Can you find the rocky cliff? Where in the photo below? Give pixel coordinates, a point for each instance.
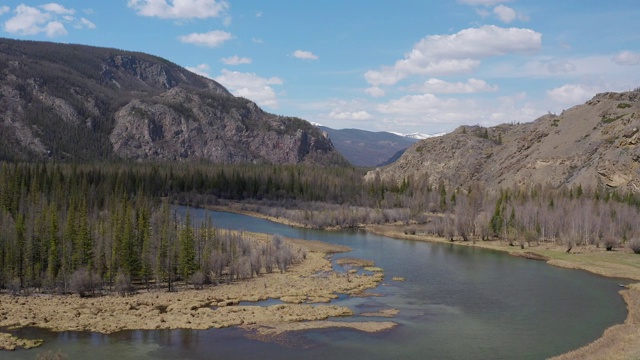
(81, 103)
(596, 144)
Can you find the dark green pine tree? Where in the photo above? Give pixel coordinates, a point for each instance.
(187, 255)
(53, 258)
(84, 241)
(144, 234)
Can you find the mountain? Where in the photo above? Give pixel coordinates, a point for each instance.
(367, 148)
(596, 144)
(418, 136)
(81, 103)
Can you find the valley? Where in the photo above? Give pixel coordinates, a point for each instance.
(105, 154)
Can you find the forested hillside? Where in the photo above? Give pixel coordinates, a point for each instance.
(78, 103)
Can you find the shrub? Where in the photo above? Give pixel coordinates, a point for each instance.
(197, 279)
(80, 282)
(610, 243)
(123, 284)
(15, 286)
(410, 231)
(84, 282)
(635, 245)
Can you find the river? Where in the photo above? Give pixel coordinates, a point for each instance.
(456, 303)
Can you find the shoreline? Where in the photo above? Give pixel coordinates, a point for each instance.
(306, 291)
(619, 341)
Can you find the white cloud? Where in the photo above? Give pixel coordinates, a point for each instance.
(348, 115)
(505, 13)
(592, 66)
(86, 24)
(202, 69)
(251, 86)
(375, 91)
(627, 58)
(236, 60)
(55, 29)
(227, 21)
(27, 21)
(425, 104)
(48, 19)
(180, 9)
(483, 2)
(258, 14)
(560, 66)
(387, 75)
(211, 39)
(57, 9)
(305, 55)
(430, 113)
(257, 41)
(437, 86)
(458, 53)
(4, 9)
(572, 94)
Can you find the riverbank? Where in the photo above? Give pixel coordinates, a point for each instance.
(617, 342)
(238, 208)
(312, 281)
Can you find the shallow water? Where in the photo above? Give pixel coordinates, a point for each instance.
(456, 303)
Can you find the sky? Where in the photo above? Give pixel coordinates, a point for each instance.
(404, 66)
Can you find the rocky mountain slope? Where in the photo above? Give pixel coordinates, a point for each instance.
(596, 144)
(82, 103)
(367, 148)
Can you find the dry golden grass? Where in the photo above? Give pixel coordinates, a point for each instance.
(10, 342)
(312, 281)
(355, 262)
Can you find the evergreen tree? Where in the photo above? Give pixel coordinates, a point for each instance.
(145, 239)
(53, 258)
(187, 256)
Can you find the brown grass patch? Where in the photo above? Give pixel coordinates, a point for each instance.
(212, 307)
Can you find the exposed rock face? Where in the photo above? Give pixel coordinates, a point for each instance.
(75, 103)
(182, 125)
(596, 145)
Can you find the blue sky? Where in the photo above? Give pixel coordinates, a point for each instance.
(404, 65)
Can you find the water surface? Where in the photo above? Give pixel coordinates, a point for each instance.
(456, 303)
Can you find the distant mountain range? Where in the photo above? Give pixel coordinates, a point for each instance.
(79, 103)
(595, 145)
(367, 148)
(418, 136)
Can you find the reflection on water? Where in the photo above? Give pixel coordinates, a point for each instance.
(456, 303)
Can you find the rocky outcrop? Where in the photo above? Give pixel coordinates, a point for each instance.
(81, 103)
(596, 144)
(180, 125)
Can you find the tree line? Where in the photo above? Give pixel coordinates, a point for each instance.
(72, 227)
(69, 229)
